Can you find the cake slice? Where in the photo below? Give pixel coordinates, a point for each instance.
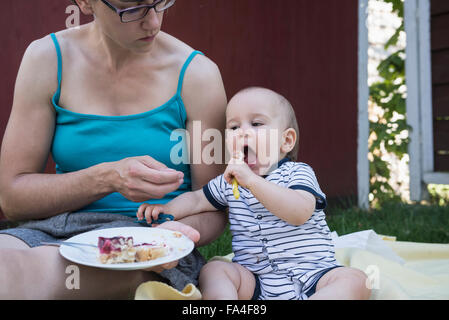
(122, 250)
(116, 250)
(150, 251)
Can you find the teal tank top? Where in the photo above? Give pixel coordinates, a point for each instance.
(84, 140)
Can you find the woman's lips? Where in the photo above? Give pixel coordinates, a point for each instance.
(147, 39)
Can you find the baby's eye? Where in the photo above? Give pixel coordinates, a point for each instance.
(234, 127)
(257, 124)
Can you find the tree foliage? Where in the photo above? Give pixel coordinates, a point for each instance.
(386, 133)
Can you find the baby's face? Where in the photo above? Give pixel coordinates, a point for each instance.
(254, 129)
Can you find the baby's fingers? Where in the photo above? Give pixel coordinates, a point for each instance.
(149, 214)
(141, 210)
(156, 211)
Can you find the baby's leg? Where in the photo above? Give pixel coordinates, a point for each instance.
(221, 280)
(342, 283)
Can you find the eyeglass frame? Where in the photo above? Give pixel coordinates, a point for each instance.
(120, 12)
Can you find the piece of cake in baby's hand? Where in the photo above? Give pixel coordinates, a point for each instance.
(122, 250)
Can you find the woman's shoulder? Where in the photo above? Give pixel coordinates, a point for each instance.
(41, 49)
(40, 60)
(200, 68)
(44, 48)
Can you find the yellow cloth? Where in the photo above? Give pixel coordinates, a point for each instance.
(420, 271)
(154, 290)
(424, 275)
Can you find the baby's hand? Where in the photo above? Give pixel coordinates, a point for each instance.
(241, 172)
(150, 211)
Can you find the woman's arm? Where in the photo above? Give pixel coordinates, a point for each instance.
(205, 99)
(28, 193)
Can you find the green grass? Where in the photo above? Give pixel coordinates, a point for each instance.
(415, 223)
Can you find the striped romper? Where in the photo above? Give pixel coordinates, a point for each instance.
(287, 260)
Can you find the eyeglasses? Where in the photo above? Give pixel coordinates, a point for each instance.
(139, 12)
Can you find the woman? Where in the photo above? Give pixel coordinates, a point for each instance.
(103, 99)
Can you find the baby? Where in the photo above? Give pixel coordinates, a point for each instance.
(281, 242)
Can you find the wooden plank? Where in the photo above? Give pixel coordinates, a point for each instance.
(441, 135)
(440, 31)
(439, 6)
(297, 49)
(440, 67)
(413, 103)
(441, 163)
(441, 101)
(425, 83)
(363, 174)
(436, 178)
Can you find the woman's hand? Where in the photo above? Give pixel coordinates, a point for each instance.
(188, 231)
(141, 178)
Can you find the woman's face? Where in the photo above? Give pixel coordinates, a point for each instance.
(137, 36)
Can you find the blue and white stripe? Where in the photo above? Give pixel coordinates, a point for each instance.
(287, 259)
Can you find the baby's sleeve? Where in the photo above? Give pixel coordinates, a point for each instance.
(302, 177)
(215, 192)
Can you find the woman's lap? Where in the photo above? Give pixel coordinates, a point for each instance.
(11, 242)
(66, 225)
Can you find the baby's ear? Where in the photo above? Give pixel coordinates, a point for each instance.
(289, 137)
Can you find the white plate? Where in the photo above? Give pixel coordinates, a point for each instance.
(179, 247)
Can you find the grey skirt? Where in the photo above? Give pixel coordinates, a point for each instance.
(66, 225)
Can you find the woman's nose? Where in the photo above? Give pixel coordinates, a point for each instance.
(151, 21)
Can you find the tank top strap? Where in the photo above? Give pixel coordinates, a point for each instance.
(58, 52)
(184, 68)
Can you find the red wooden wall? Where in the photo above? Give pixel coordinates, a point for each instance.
(440, 82)
(306, 50)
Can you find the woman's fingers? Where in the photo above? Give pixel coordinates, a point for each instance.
(152, 163)
(159, 269)
(156, 172)
(170, 265)
(160, 177)
(188, 231)
(139, 191)
(158, 191)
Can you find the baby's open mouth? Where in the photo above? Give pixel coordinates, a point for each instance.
(249, 155)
